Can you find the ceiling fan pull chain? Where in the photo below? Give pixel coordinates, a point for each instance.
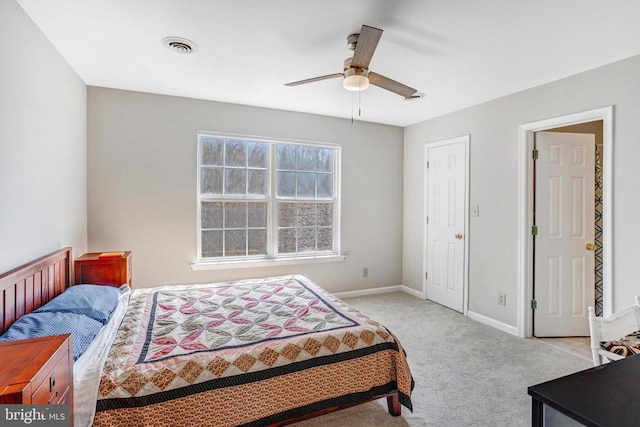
(352, 108)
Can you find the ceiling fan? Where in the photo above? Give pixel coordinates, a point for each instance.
(356, 75)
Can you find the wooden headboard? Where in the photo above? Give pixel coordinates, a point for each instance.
(27, 287)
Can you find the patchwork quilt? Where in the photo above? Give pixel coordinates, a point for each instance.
(251, 352)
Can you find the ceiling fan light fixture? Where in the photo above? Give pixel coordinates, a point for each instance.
(356, 76)
(355, 79)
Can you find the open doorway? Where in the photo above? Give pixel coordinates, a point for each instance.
(599, 124)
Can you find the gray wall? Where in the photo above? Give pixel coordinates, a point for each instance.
(43, 113)
(142, 186)
(493, 127)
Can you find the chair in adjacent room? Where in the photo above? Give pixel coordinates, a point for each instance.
(615, 337)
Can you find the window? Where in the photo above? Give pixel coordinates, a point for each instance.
(263, 199)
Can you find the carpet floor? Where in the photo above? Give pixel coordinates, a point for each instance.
(466, 373)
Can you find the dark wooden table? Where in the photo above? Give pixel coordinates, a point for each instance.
(606, 395)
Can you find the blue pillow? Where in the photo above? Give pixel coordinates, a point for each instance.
(82, 329)
(94, 301)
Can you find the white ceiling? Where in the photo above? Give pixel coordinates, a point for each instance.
(459, 53)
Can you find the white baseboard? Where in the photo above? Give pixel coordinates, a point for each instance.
(494, 323)
(376, 291)
(365, 292)
(411, 291)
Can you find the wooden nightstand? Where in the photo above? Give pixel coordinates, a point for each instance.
(103, 268)
(37, 371)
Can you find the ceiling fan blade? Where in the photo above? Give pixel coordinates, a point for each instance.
(314, 79)
(391, 85)
(366, 45)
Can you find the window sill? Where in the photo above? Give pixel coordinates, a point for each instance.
(254, 263)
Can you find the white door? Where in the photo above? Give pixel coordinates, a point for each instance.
(564, 216)
(446, 218)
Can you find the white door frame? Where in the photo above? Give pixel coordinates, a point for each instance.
(465, 287)
(525, 216)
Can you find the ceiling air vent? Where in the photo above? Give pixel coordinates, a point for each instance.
(180, 45)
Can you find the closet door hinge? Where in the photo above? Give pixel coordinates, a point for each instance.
(534, 304)
(426, 275)
(534, 154)
(534, 230)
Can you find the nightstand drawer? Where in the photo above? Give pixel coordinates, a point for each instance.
(56, 385)
(37, 371)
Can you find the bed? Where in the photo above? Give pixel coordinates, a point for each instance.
(267, 351)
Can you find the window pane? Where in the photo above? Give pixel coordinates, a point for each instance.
(286, 214)
(306, 214)
(306, 239)
(211, 152)
(306, 184)
(306, 158)
(287, 241)
(235, 215)
(257, 214)
(237, 188)
(257, 242)
(287, 156)
(325, 185)
(211, 181)
(325, 239)
(325, 160)
(235, 242)
(257, 182)
(286, 184)
(235, 153)
(211, 215)
(211, 243)
(257, 155)
(235, 181)
(325, 214)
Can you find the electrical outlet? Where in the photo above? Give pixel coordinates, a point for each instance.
(502, 298)
(365, 271)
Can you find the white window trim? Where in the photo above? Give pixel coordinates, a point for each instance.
(287, 259)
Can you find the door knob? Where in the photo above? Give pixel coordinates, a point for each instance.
(590, 247)
(458, 236)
